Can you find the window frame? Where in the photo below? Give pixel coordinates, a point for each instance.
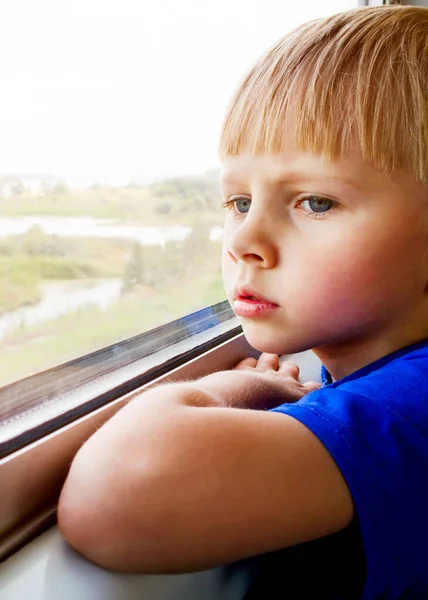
(39, 404)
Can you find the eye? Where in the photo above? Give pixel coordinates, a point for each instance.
(240, 204)
(316, 205)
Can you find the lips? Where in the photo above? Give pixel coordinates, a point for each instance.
(249, 295)
(250, 304)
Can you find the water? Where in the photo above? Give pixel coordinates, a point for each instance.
(99, 228)
(60, 298)
(63, 297)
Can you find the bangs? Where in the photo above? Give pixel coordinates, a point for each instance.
(357, 79)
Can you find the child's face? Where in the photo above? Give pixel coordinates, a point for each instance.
(346, 267)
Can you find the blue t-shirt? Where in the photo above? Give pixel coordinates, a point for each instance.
(374, 423)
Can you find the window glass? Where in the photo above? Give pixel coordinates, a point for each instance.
(110, 217)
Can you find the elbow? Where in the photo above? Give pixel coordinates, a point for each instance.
(108, 521)
(122, 503)
(79, 531)
(86, 538)
(85, 519)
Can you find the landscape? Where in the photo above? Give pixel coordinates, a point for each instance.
(83, 268)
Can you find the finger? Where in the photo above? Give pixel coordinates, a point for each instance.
(290, 369)
(268, 361)
(311, 386)
(244, 364)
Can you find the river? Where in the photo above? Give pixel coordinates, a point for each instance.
(63, 297)
(98, 228)
(59, 298)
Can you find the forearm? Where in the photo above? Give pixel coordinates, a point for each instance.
(144, 473)
(142, 458)
(153, 425)
(128, 477)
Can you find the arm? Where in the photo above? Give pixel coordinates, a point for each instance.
(181, 479)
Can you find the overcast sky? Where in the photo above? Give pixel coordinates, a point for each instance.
(121, 89)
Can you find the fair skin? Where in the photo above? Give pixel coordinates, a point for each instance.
(182, 478)
(349, 281)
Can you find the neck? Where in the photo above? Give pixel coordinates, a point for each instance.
(343, 359)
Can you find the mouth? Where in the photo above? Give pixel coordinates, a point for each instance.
(248, 298)
(249, 303)
(250, 295)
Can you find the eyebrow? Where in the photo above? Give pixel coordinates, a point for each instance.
(334, 179)
(294, 177)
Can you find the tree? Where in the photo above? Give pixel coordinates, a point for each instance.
(135, 269)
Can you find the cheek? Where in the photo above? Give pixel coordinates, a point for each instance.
(359, 283)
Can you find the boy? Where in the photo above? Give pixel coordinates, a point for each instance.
(325, 183)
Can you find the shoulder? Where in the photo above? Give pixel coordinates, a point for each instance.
(395, 385)
(366, 417)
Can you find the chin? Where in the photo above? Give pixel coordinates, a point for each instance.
(273, 342)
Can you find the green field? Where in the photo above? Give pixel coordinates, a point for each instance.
(28, 351)
(26, 261)
(159, 284)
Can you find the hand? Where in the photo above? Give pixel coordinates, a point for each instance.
(281, 380)
(256, 384)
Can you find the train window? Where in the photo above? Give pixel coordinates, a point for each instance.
(110, 218)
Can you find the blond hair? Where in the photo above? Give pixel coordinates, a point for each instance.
(358, 77)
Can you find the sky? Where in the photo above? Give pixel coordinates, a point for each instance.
(120, 90)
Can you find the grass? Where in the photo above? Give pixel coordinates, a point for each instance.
(31, 350)
(27, 261)
(22, 273)
(15, 293)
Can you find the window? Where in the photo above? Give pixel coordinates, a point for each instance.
(110, 218)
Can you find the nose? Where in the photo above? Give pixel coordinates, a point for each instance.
(252, 242)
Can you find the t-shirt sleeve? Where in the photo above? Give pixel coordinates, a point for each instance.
(384, 459)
